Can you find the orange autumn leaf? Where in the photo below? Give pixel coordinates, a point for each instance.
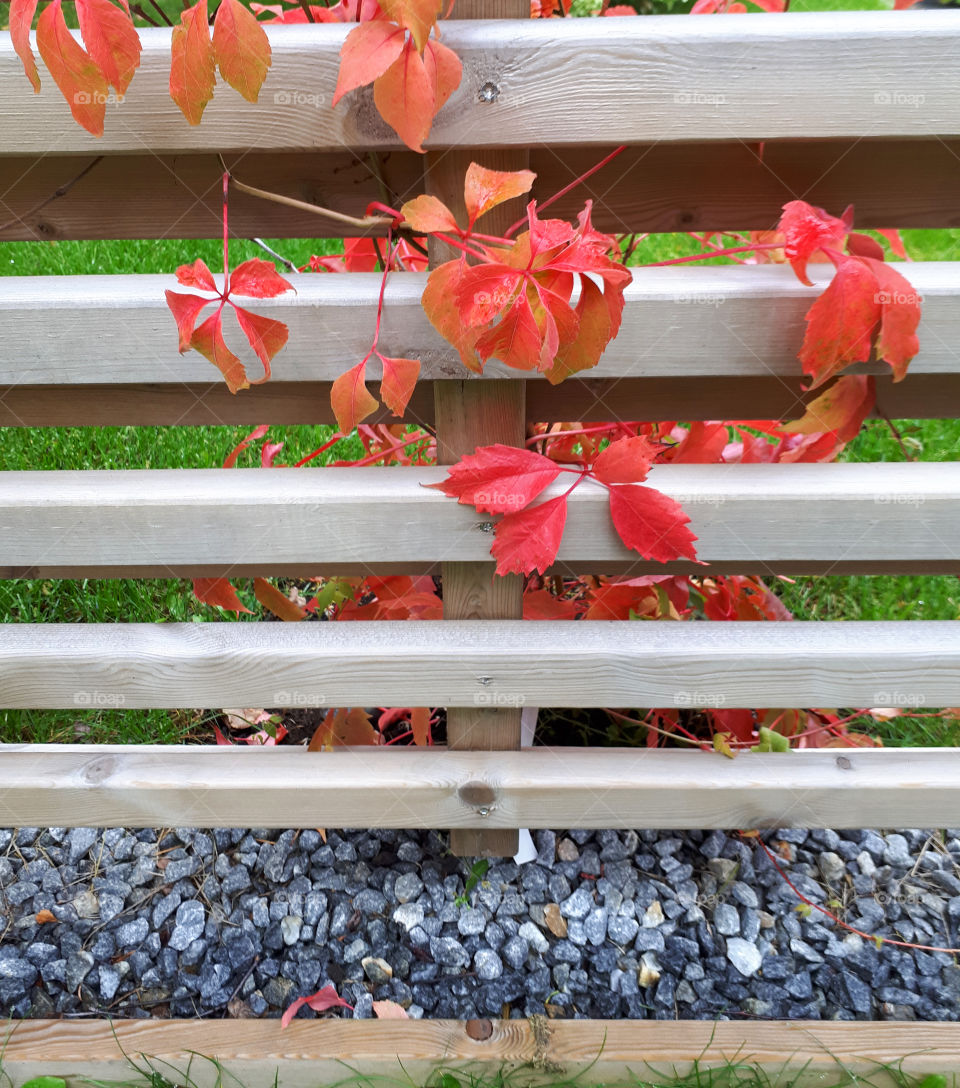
(271, 597)
(72, 68)
(242, 48)
(192, 63)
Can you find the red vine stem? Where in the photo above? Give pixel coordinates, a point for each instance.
(823, 910)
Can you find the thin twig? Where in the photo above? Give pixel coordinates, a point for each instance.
(163, 15)
(305, 4)
(138, 10)
(368, 222)
(276, 256)
(894, 430)
(55, 195)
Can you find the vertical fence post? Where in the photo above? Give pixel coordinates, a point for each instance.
(470, 414)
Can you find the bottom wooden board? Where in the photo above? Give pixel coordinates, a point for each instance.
(309, 1054)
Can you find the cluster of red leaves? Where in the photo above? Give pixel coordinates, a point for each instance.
(504, 480)
(868, 306)
(238, 47)
(515, 303)
(253, 279)
(84, 75)
(412, 73)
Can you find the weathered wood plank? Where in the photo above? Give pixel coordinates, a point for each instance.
(481, 663)
(651, 187)
(754, 518)
(701, 79)
(193, 403)
(596, 1052)
(678, 322)
(209, 786)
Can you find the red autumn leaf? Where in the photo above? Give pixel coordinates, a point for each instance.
(541, 604)
(268, 454)
(627, 461)
(258, 279)
(254, 436)
(417, 16)
(265, 335)
(897, 341)
(396, 385)
(405, 95)
(485, 189)
(368, 51)
(324, 999)
(442, 286)
(426, 214)
(896, 242)
(196, 275)
(350, 399)
(111, 40)
(219, 592)
(530, 539)
(73, 70)
(867, 301)
(271, 597)
(806, 230)
(185, 309)
(616, 601)
(444, 70)
(241, 47)
(516, 339)
(208, 340)
(651, 523)
(862, 245)
(192, 63)
(841, 408)
(20, 20)
(499, 479)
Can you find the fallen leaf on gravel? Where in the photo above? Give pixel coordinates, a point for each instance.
(556, 922)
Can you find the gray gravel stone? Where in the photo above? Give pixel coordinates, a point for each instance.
(488, 964)
(471, 921)
(408, 887)
(745, 957)
(190, 921)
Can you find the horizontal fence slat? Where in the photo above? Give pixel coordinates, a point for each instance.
(481, 663)
(603, 1052)
(651, 187)
(211, 786)
(756, 518)
(733, 321)
(837, 74)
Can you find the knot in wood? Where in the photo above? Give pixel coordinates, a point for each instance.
(479, 1029)
(477, 795)
(99, 770)
(844, 763)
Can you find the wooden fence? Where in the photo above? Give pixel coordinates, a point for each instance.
(849, 107)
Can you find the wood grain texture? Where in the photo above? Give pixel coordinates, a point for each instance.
(468, 415)
(308, 1053)
(716, 185)
(474, 663)
(210, 786)
(736, 321)
(699, 79)
(924, 396)
(752, 518)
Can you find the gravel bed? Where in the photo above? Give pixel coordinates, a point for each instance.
(695, 925)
